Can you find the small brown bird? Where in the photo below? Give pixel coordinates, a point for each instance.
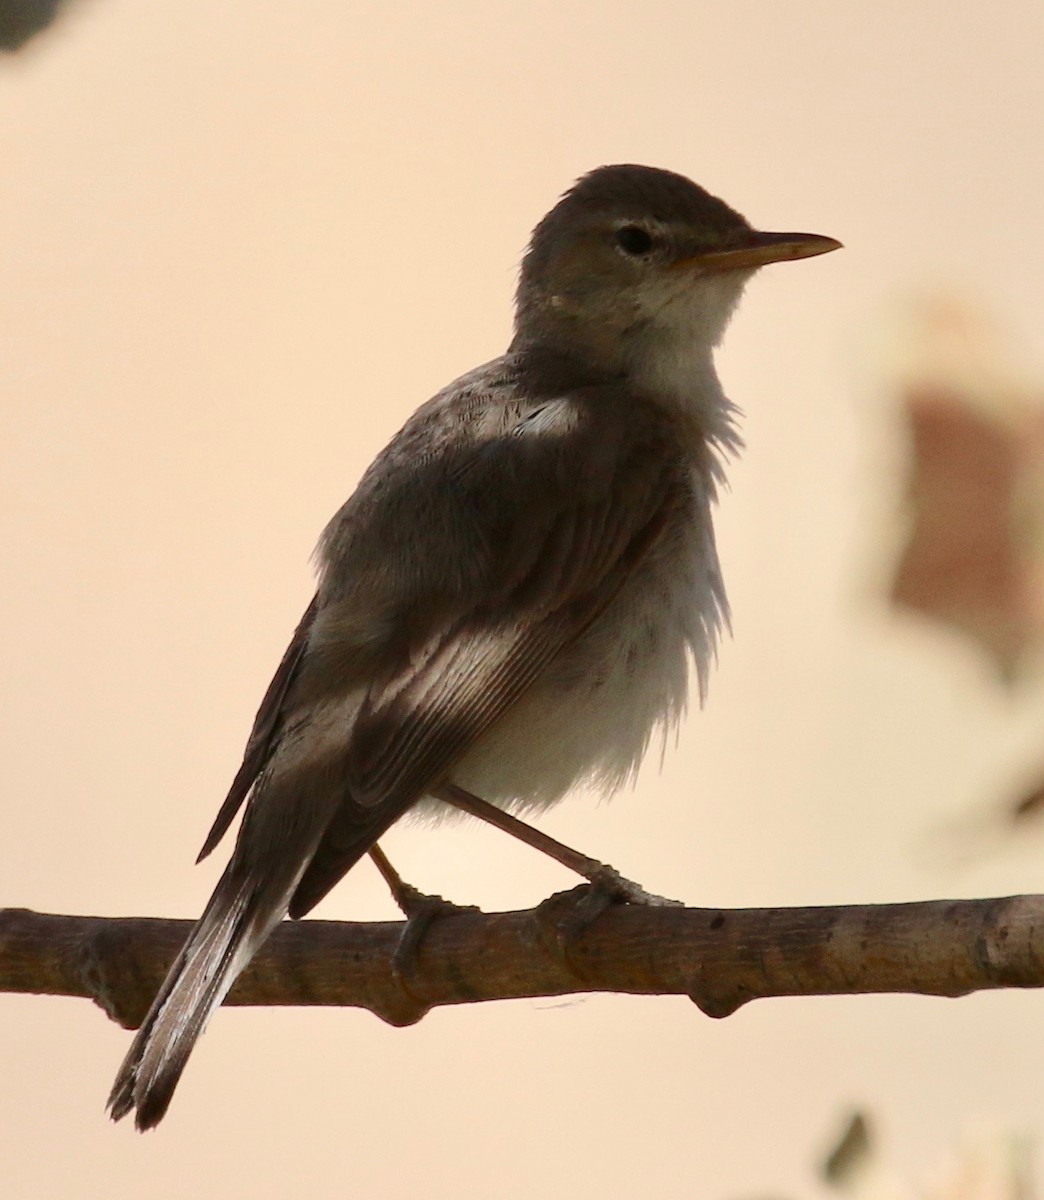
(515, 596)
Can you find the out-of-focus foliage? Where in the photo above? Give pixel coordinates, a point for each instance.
(851, 1153)
(21, 20)
(972, 555)
(974, 552)
(987, 1166)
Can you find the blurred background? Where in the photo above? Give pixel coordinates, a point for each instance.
(241, 243)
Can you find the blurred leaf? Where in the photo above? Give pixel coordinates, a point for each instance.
(991, 1165)
(850, 1154)
(21, 20)
(974, 554)
(1028, 807)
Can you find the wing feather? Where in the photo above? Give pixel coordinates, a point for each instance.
(415, 724)
(264, 732)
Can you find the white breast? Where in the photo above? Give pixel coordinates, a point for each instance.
(589, 720)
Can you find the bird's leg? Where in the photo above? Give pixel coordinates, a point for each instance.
(420, 910)
(602, 877)
(406, 896)
(564, 916)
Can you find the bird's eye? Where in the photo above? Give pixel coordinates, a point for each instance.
(634, 240)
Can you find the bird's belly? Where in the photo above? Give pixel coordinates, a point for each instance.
(589, 719)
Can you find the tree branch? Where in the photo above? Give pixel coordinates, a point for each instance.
(719, 958)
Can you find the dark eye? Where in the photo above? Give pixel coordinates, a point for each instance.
(633, 239)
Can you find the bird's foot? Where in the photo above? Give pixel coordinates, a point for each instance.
(620, 890)
(421, 911)
(564, 917)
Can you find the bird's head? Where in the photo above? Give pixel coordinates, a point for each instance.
(634, 261)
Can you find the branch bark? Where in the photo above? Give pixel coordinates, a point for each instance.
(719, 958)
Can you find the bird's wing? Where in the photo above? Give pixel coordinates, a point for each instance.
(264, 734)
(564, 508)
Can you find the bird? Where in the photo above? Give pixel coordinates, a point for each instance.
(516, 596)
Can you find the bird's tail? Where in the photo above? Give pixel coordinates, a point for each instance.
(236, 921)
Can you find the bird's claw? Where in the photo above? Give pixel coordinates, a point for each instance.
(421, 911)
(564, 917)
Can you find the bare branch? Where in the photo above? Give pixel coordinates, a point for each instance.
(719, 958)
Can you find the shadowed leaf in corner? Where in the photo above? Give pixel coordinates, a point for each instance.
(21, 20)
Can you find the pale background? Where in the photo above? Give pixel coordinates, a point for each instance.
(240, 243)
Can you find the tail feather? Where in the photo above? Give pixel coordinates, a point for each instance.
(226, 937)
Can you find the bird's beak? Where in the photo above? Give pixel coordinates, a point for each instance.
(755, 249)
